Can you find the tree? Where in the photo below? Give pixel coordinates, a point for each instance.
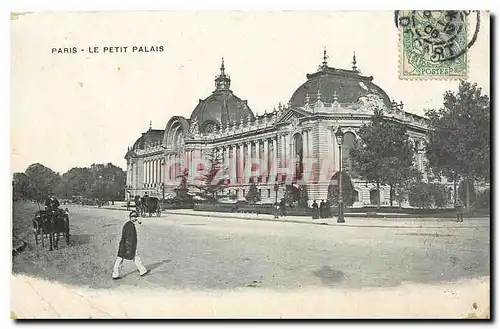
(292, 194)
(439, 195)
(253, 194)
(459, 143)
(303, 197)
(401, 189)
(74, 182)
(21, 186)
(181, 191)
(214, 180)
(347, 189)
(42, 181)
(426, 195)
(463, 194)
(384, 153)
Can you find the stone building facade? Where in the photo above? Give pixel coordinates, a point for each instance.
(293, 144)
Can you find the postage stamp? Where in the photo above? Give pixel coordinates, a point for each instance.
(434, 44)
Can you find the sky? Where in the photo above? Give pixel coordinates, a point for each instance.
(72, 110)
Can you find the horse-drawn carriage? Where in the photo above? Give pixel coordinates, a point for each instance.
(147, 205)
(51, 222)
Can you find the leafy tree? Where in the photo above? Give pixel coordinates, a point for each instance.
(420, 196)
(74, 182)
(347, 189)
(292, 194)
(459, 143)
(303, 197)
(401, 189)
(383, 154)
(462, 192)
(439, 195)
(21, 186)
(42, 181)
(181, 191)
(483, 199)
(214, 180)
(253, 194)
(426, 195)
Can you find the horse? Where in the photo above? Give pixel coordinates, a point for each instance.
(52, 223)
(152, 205)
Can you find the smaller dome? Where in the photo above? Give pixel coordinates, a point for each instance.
(150, 137)
(222, 107)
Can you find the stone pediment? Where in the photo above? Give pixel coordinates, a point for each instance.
(291, 115)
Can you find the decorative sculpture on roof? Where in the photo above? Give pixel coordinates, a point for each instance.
(294, 123)
(194, 129)
(372, 102)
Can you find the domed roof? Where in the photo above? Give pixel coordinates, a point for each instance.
(345, 86)
(150, 137)
(222, 107)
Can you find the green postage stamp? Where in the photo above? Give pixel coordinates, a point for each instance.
(434, 44)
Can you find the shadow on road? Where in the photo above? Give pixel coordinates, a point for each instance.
(329, 276)
(79, 239)
(150, 267)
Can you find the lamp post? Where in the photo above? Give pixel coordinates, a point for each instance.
(339, 135)
(276, 188)
(100, 192)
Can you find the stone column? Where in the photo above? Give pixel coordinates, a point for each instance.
(264, 172)
(224, 161)
(148, 163)
(291, 155)
(249, 162)
(169, 157)
(334, 150)
(155, 166)
(274, 163)
(233, 165)
(241, 164)
(256, 160)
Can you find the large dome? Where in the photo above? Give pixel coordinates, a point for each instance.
(346, 86)
(222, 107)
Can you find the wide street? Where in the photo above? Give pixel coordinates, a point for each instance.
(199, 253)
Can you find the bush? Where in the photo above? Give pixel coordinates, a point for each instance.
(426, 195)
(439, 195)
(253, 194)
(347, 190)
(420, 196)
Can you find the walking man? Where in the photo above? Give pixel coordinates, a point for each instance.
(460, 211)
(128, 247)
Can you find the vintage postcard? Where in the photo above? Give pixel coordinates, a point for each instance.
(250, 164)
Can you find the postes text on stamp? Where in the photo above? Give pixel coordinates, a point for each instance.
(434, 44)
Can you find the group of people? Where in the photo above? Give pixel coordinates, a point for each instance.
(280, 209)
(323, 210)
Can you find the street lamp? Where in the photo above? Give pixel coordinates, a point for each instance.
(339, 135)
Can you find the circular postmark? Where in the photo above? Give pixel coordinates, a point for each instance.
(438, 36)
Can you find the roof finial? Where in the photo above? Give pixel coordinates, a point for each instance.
(150, 124)
(354, 68)
(222, 67)
(325, 57)
(335, 96)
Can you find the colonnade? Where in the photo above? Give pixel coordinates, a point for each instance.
(152, 171)
(242, 162)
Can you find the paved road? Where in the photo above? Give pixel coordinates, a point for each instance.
(192, 252)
